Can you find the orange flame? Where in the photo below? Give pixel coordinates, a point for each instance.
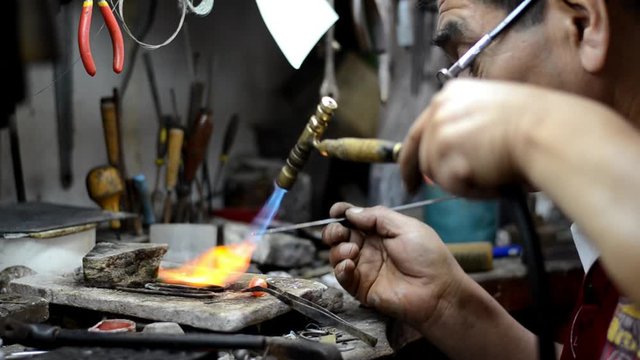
(220, 265)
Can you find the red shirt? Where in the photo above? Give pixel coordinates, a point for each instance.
(604, 325)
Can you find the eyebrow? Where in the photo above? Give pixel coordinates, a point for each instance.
(451, 32)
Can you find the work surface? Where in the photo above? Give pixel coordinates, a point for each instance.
(507, 282)
(228, 312)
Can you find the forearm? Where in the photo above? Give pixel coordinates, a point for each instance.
(474, 326)
(587, 159)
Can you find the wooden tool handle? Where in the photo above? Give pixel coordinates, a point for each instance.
(360, 150)
(105, 187)
(197, 145)
(175, 140)
(109, 110)
(473, 256)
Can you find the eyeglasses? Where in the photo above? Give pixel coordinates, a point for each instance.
(465, 61)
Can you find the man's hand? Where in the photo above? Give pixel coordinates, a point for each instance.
(392, 262)
(466, 140)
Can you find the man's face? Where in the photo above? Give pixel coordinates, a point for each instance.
(525, 54)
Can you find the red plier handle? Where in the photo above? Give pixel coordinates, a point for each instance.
(84, 32)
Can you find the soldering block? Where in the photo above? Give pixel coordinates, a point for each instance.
(111, 265)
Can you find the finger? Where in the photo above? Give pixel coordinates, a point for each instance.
(338, 209)
(334, 234)
(347, 276)
(380, 220)
(343, 251)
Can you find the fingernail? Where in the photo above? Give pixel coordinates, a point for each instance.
(338, 271)
(355, 210)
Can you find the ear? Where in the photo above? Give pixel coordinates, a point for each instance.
(590, 22)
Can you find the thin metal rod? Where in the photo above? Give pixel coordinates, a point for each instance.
(334, 220)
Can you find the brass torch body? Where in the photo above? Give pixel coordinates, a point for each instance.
(311, 134)
(360, 150)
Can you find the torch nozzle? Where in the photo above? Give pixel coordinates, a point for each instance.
(306, 142)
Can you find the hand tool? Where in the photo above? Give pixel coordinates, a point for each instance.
(140, 183)
(206, 205)
(157, 196)
(63, 87)
(174, 147)
(329, 86)
(145, 20)
(420, 47)
(227, 141)
(84, 35)
(105, 186)
(161, 137)
(314, 311)
(343, 220)
(360, 150)
(405, 23)
(360, 25)
(16, 159)
(47, 337)
(153, 86)
(194, 151)
(196, 88)
(109, 111)
(385, 58)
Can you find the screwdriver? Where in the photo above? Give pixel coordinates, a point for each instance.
(194, 152)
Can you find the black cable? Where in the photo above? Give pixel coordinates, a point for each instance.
(517, 200)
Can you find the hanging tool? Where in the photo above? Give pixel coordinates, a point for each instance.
(142, 189)
(385, 55)
(361, 29)
(16, 159)
(145, 21)
(206, 207)
(109, 109)
(343, 220)
(63, 88)
(196, 88)
(229, 136)
(194, 152)
(105, 186)
(111, 127)
(161, 135)
(174, 147)
(314, 311)
(43, 336)
(84, 35)
(419, 52)
(329, 86)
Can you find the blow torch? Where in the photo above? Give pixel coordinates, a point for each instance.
(349, 149)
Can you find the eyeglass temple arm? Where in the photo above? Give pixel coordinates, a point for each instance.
(447, 74)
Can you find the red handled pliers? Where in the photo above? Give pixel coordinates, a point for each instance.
(84, 32)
